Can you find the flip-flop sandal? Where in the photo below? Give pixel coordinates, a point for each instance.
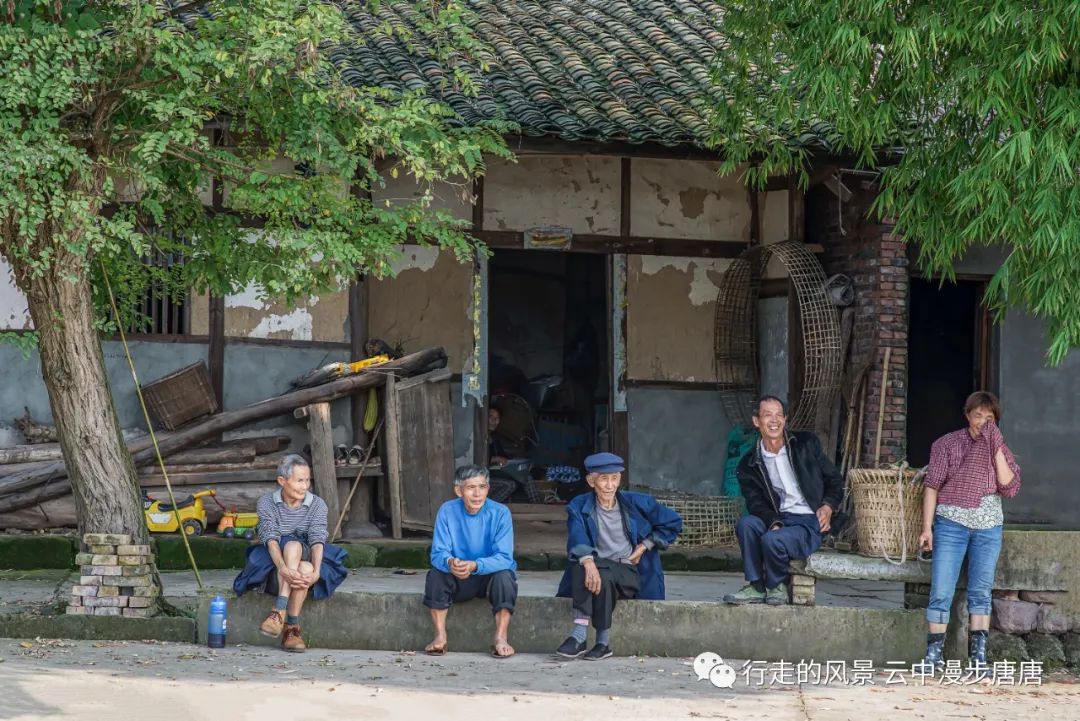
(437, 650)
(495, 652)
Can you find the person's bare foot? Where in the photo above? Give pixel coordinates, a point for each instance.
(501, 649)
(437, 647)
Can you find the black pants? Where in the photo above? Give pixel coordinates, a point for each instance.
(442, 590)
(617, 580)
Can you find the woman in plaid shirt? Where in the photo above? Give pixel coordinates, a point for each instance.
(970, 471)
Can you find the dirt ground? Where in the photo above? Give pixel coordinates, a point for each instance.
(107, 681)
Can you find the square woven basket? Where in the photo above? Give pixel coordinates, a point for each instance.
(180, 397)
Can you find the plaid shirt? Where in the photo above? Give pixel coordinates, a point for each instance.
(962, 468)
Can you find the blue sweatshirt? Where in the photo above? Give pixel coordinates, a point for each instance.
(486, 537)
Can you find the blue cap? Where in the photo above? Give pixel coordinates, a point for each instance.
(604, 463)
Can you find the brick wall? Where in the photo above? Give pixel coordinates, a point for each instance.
(874, 258)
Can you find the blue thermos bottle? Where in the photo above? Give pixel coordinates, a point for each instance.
(215, 629)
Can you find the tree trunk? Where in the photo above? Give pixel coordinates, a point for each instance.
(99, 466)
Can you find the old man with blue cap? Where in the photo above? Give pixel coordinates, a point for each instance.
(614, 539)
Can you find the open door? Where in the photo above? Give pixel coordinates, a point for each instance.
(419, 449)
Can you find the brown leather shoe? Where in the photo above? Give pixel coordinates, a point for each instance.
(273, 624)
(292, 641)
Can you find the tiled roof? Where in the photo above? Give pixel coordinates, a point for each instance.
(598, 70)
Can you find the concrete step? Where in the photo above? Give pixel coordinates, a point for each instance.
(382, 611)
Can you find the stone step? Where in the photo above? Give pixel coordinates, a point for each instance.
(385, 613)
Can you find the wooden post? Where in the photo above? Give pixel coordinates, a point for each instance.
(393, 455)
(323, 470)
(358, 333)
(216, 350)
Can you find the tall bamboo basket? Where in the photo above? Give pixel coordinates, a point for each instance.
(888, 511)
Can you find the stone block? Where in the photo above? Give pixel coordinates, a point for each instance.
(1006, 647)
(108, 591)
(116, 601)
(141, 560)
(83, 559)
(102, 570)
(802, 595)
(143, 569)
(107, 611)
(1015, 616)
(138, 612)
(1046, 648)
(1044, 596)
(1006, 594)
(144, 591)
(85, 590)
(803, 581)
(115, 539)
(136, 581)
(141, 602)
(1052, 620)
(916, 600)
(89, 580)
(101, 548)
(104, 559)
(133, 550)
(78, 611)
(1071, 643)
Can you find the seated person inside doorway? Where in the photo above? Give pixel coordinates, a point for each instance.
(503, 482)
(792, 491)
(293, 555)
(472, 556)
(613, 544)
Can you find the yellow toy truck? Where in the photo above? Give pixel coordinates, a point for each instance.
(238, 525)
(160, 517)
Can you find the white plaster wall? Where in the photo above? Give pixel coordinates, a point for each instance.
(579, 192)
(14, 314)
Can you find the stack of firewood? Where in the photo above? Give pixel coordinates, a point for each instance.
(35, 492)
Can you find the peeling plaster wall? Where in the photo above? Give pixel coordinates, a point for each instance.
(425, 305)
(670, 307)
(687, 199)
(319, 318)
(579, 192)
(14, 314)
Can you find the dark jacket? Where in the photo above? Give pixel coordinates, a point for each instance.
(644, 517)
(818, 478)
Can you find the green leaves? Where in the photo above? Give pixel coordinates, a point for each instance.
(106, 107)
(985, 103)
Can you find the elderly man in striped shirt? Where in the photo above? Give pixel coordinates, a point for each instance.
(293, 555)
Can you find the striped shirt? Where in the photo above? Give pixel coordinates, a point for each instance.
(308, 519)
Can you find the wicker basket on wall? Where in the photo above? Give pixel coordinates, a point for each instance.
(707, 520)
(888, 511)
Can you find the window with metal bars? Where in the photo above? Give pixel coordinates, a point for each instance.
(160, 311)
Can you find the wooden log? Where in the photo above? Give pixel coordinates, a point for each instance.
(323, 476)
(30, 453)
(24, 490)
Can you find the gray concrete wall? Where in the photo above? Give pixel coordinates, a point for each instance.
(1040, 422)
(678, 439)
(252, 373)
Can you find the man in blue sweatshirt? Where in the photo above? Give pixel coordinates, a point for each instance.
(472, 556)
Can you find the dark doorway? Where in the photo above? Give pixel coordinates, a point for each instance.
(548, 373)
(947, 358)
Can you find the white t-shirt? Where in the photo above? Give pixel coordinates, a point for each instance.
(782, 478)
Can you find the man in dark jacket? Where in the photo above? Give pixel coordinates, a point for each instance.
(792, 490)
(613, 543)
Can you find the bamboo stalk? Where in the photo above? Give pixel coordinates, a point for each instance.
(881, 405)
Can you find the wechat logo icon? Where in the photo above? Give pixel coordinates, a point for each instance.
(710, 666)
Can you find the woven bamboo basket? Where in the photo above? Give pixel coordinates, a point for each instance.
(888, 511)
(707, 520)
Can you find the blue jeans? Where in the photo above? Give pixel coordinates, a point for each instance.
(952, 542)
(766, 553)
